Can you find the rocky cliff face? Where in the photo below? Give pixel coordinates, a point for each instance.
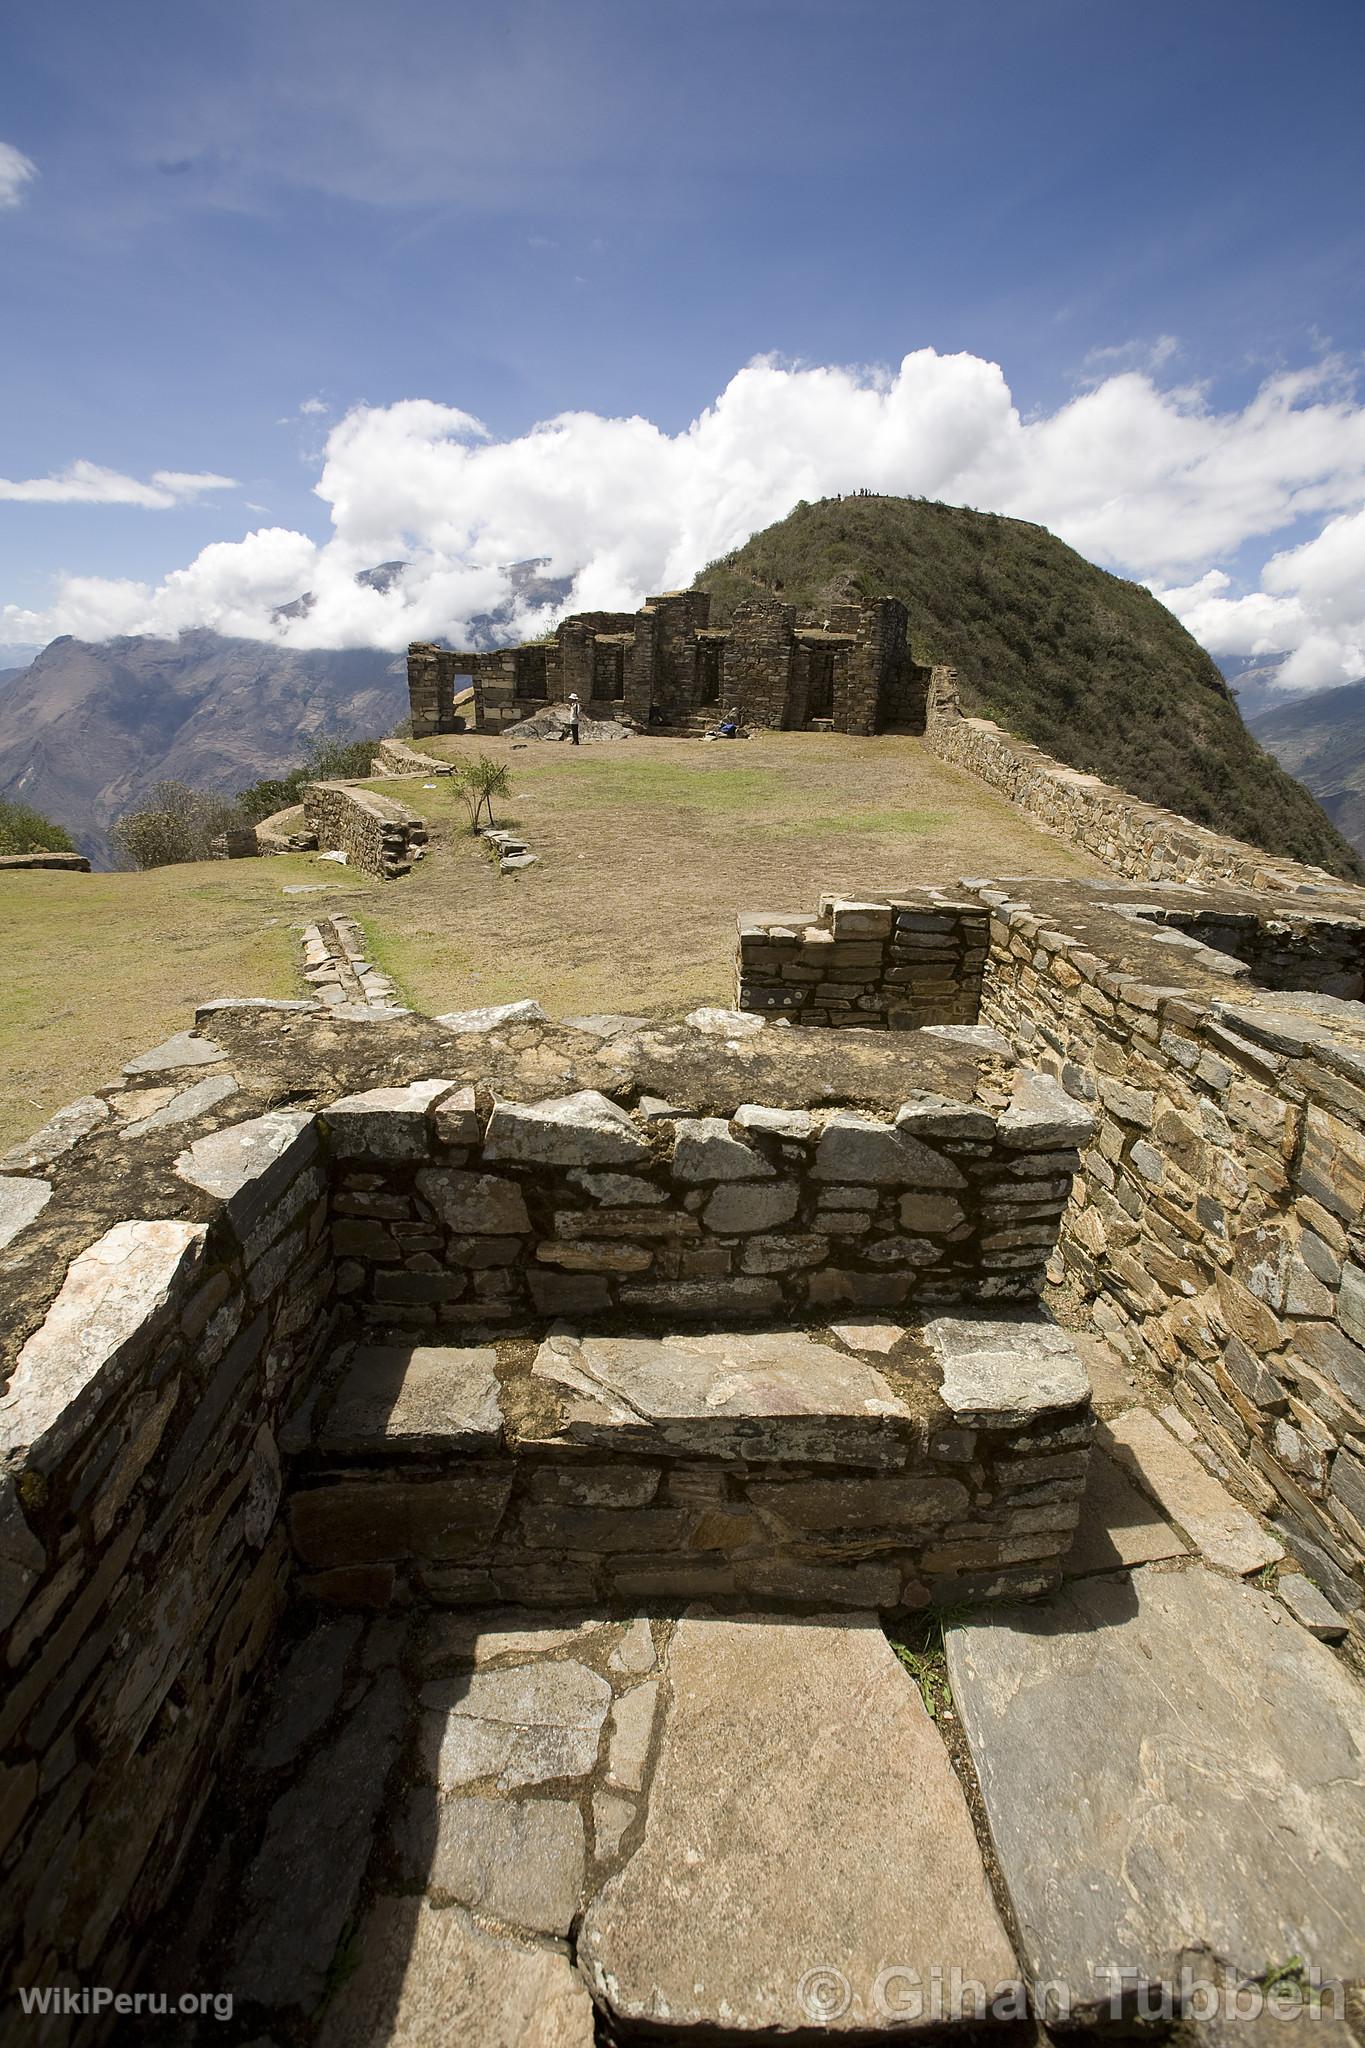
(87, 730)
(1320, 738)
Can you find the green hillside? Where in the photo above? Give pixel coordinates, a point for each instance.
(1089, 667)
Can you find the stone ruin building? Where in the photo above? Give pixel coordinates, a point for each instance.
(668, 669)
(462, 1478)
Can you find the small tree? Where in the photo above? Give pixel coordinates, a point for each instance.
(478, 782)
(176, 824)
(27, 831)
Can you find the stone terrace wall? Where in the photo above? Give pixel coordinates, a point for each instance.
(395, 757)
(142, 1561)
(375, 833)
(889, 965)
(1217, 1220)
(576, 1206)
(1135, 839)
(69, 863)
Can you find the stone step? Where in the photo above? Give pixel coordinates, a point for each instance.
(875, 1464)
(1171, 1771)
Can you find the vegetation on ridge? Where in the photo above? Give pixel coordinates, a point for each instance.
(1091, 668)
(24, 830)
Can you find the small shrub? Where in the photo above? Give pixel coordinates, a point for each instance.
(23, 830)
(478, 782)
(176, 824)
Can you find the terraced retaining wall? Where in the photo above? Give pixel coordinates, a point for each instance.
(375, 832)
(1216, 1223)
(895, 965)
(1133, 838)
(579, 1207)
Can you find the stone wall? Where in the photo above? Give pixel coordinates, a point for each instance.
(1133, 838)
(375, 832)
(68, 863)
(395, 757)
(1216, 1225)
(893, 965)
(142, 1561)
(577, 1207)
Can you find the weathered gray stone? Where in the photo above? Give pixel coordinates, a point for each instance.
(605, 1026)
(493, 1018)
(485, 1636)
(772, 1394)
(572, 1130)
(869, 1333)
(21, 1554)
(934, 1116)
(247, 1165)
(791, 1124)
(618, 1190)
(1206, 1756)
(184, 1049)
(629, 1733)
(383, 1123)
(302, 1886)
(1175, 1479)
(855, 1147)
(724, 1023)
(520, 1860)
(20, 1202)
(516, 1724)
(705, 1149)
(307, 1691)
(481, 1204)
(1310, 1608)
(58, 1135)
(773, 1808)
(1004, 1372)
(456, 1119)
(429, 1976)
(184, 1105)
(1043, 1117)
(113, 1292)
(635, 1652)
(745, 1206)
(376, 1520)
(914, 1503)
(1118, 1526)
(395, 1397)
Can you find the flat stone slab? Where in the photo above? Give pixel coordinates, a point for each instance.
(1006, 1370)
(414, 1397)
(185, 1105)
(112, 1291)
(57, 1136)
(182, 1050)
(520, 1860)
(493, 1017)
(1119, 1527)
(1168, 1763)
(429, 1976)
(249, 1163)
(805, 1828)
(586, 1129)
(769, 1394)
(20, 1202)
(514, 1725)
(1214, 1522)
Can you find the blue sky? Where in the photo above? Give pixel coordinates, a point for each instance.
(611, 208)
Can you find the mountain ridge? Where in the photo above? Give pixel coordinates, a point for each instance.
(1086, 665)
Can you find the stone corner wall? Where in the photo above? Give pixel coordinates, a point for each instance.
(67, 863)
(1133, 838)
(885, 965)
(376, 833)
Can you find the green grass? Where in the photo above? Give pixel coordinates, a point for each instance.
(1088, 666)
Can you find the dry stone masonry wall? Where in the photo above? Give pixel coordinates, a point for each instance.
(1133, 838)
(897, 965)
(375, 832)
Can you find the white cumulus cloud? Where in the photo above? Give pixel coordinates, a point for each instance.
(1153, 480)
(85, 483)
(16, 172)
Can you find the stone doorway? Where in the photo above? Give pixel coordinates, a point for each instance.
(820, 690)
(710, 658)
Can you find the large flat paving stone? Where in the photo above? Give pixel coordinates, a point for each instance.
(1169, 1764)
(1119, 1527)
(774, 1394)
(429, 1978)
(521, 1724)
(1217, 1524)
(805, 1828)
(398, 1397)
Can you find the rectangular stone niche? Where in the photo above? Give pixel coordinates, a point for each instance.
(873, 1465)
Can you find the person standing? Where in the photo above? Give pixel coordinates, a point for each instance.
(573, 717)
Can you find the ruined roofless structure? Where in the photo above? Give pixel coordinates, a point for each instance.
(667, 667)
